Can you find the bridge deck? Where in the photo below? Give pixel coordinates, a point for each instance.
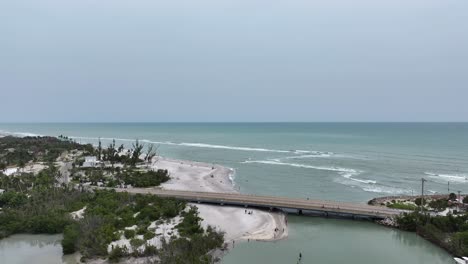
(271, 202)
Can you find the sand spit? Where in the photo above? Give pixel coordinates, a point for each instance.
(236, 222)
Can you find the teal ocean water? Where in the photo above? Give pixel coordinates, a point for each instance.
(333, 161)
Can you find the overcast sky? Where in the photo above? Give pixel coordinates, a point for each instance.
(233, 60)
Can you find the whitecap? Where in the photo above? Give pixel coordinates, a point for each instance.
(344, 172)
(186, 144)
(349, 176)
(19, 134)
(199, 145)
(298, 165)
(386, 189)
(314, 155)
(461, 178)
(232, 175)
(203, 145)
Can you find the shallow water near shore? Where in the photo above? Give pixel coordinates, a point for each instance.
(331, 161)
(322, 240)
(26, 249)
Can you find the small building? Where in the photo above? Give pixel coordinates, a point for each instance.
(90, 161)
(2, 191)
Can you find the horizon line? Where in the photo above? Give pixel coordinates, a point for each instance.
(228, 122)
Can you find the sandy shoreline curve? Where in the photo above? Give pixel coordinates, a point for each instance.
(239, 224)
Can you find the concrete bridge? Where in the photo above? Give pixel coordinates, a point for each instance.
(290, 205)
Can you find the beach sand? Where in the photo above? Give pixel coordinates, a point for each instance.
(234, 221)
(196, 176)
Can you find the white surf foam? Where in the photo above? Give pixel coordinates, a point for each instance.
(199, 145)
(344, 172)
(19, 134)
(460, 178)
(203, 145)
(232, 175)
(298, 165)
(313, 155)
(386, 189)
(186, 144)
(349, 176)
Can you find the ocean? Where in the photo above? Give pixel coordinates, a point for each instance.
(331, 161)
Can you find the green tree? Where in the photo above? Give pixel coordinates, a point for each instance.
(151, 152)
(117, 253)
(70, 238)
(99, 150)
(136, 152)
(452, 196)
(418, 201)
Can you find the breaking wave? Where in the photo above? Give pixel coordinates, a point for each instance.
(386, 189)
(278, 162)
(201, 145)
(348, 177)
(19, 134)
(461, 178)
(315, 154)
(344, 172)
(232, 176)
(305, 153)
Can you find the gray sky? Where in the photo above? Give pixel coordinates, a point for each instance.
(233, 60)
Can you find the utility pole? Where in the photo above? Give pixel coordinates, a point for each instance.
(459, 200)
(422, 193)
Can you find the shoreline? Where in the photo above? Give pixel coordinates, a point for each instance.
(236, 222)
(381, 201)
(391, 223)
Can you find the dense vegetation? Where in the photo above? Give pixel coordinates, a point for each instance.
(450, 232)
(119, 167)
(143, 178)
(39, 204)
(114, 177)
(107, 214)
(16, 151)
(130, 157)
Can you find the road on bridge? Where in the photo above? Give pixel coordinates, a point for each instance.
(271, 202)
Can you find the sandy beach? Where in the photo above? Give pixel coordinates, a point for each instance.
(196, 176)
(236, 222)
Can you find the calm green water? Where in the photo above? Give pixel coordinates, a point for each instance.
(27, 249)
(334, 161)
(339, 241)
